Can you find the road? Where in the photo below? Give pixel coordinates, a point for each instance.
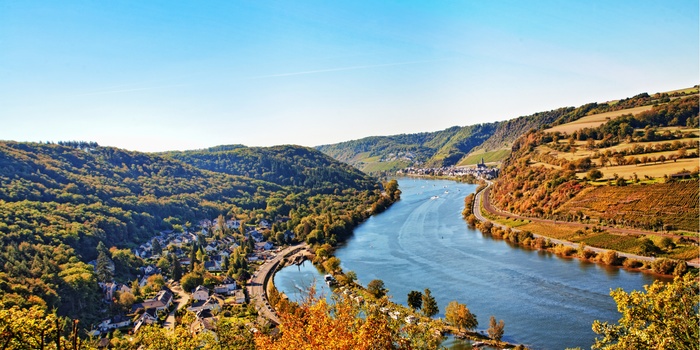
(489, 208)
(257, 285)
(184, 299)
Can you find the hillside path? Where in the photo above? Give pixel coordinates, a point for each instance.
(483, 196)
(184, 299)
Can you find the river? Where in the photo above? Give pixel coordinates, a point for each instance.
(422, 242)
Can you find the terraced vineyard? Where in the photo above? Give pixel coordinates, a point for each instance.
(663, 206)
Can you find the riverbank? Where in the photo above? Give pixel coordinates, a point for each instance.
(258, 284)
(571, 249)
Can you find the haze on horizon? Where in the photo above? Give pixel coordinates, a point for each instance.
(160, 75)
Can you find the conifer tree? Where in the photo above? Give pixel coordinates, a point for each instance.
(104, 267)
(156, 248)
(177, 268)
(430, 306)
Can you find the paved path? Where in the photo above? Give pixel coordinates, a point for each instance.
(483, 196)
(184, 298)
(258, 284)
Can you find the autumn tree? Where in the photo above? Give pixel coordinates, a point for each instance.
(191, 280)
(496, 329)
(430, 306)
(233, 334)
(126, 300)
(415, 299)
(345, 324)
(34, 328)
(155, 282)
(594, 174)
(136, 288)
(332, 264)
(376, 288)
(664, 317)
(154, 337)
(459, 316)
(351, 276)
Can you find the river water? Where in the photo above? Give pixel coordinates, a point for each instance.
(422, 242)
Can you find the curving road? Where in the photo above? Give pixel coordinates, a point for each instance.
(184, 299)
(258, 284)
(489, 208)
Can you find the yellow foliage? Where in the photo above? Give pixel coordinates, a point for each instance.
(316, 324)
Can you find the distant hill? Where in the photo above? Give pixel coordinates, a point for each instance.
(285, 165)
(380, 154)
(467, 145)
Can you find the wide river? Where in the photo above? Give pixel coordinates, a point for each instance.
(422, 242)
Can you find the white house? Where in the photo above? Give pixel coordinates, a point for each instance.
(115, 322)
(201, 293)
(149, 316)
(212, 304)
(228, 286)
(162, 301)
(263, 246)
(239, 296)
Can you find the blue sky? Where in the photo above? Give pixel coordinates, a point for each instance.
(165, 75)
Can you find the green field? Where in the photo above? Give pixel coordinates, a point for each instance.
(375, 167)
(489, 157)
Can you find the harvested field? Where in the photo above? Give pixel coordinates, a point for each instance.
(592, 121)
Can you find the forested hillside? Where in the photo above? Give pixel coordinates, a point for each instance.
(284, 165)
(58, 202)
(379, 154)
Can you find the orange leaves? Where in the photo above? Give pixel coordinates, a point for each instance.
(342, 324)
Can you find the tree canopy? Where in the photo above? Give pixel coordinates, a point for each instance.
(665, 316)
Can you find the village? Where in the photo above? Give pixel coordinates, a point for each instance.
(481, 170)
(163, 296)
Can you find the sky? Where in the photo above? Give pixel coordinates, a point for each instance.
(175, 75)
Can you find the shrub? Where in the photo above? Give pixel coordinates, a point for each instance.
(633, 263)
(588, 254)
(486, 226)
(540, 243)
(564, 250)
(664, 266)
(681, 268)
(610, 257)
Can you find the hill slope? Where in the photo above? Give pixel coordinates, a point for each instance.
(497, 147)
(586, 174)
(284, 165)
(389, 153)
(57, 203)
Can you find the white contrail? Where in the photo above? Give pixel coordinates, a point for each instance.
(341, 69)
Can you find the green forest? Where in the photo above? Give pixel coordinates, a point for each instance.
(59, 202)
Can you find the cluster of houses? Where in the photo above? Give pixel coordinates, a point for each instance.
(480, 171)
(205, 302)
(217, 249)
